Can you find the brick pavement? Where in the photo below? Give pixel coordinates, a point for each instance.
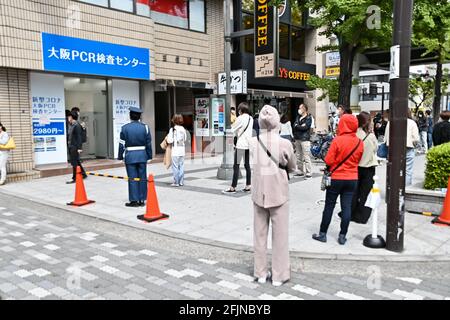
(49, 259)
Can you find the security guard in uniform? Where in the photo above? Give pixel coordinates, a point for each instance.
(136, 149)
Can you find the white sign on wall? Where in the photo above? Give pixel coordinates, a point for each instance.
(125, 94)
(238, 81)
(48, 118)
(395, 63)
(332, 59)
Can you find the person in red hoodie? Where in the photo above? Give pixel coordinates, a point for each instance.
(342, 160)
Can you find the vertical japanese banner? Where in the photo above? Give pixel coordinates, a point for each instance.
(125, 94)
(202, 117)
(266, 40)
(48, 118)
(218, 116)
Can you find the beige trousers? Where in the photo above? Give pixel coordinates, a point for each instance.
(303, 151)
(279, 216)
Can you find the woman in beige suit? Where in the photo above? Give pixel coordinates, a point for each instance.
(272, 157)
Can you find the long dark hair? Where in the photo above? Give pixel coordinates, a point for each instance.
(284, 119)
(2, 126)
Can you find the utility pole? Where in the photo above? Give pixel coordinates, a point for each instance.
(395, 227)
(225, 171)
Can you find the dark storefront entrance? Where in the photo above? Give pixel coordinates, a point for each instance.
(175, 99)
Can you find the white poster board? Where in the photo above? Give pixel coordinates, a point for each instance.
(125, 94)
(218, 116)
(48, 118)
(395, 63)
(202, 117)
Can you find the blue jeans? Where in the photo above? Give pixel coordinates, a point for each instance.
(178, 170)
(345, 189)
(430, 140)
(137, 190)
(410, 154)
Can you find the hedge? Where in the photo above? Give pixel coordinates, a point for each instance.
(438, 167)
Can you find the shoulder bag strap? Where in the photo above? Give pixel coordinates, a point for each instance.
(245, 128)
(285, 168)
(346, 158)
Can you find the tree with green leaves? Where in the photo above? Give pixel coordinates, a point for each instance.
(329, 87)
(355, 24)
(422, 89)
(431, 30)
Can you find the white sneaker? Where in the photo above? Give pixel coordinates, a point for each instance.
(263, 280)
(174, 185)
(2, 183)
(277, 283)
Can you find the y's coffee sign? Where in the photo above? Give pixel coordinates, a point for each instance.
(266, 39)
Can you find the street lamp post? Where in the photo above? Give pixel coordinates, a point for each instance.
(395, 185)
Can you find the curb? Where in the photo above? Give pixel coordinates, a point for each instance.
(394, 257)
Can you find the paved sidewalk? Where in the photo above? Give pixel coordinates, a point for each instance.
(199, 211)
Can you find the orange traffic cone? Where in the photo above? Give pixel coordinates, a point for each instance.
(194, 145)
(444, 218)
(80, 192)
(152, 213)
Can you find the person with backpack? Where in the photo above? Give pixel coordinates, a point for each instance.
(342, 160)
(75, 145)
(177, 138)
(4, 138)
(242, 130)
(273, 159)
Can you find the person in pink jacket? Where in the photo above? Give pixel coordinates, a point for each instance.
(273, 157)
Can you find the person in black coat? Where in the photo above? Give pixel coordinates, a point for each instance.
(441, 130)
(75, 144)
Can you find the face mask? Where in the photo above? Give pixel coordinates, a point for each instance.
(299, 112)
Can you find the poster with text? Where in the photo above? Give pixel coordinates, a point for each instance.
(48, 118)
(125, 94)
(218, 116)
(202, 117)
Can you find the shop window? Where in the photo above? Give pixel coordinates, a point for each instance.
(103, 3)
(248, 5)
(197, 15)
(179, 13)
(124, 5)
(284, 41)
(247, 23)
(298, 44)
(296, 16)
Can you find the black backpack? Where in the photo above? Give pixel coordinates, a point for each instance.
(83, 132)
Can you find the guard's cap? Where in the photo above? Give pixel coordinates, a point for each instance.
(136, 110)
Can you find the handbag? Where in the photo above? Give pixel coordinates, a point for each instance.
(235, 139)
(383, 151)
(326, 178)
(10, 145)
(164, 144)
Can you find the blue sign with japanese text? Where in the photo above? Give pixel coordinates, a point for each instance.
(74, 55)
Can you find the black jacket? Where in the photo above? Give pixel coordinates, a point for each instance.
(441, 133)
(76, 140)
(302, 128)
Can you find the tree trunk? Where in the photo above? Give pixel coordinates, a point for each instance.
(347, 52)
(437, 92)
